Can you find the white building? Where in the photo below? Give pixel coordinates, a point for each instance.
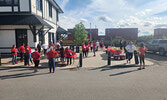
(28, 21)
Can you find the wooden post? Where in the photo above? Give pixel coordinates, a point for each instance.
(109, 58)
(80, 60)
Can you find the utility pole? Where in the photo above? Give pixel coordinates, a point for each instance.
(90, 33)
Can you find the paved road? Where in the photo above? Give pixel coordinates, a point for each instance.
(102, 83)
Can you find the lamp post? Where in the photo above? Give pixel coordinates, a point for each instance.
(90, 33)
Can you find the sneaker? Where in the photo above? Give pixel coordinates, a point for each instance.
(22, 61)
(16, 62)
(13, 63)
(54, 71)
(129, 62)
(29, 65)
(32, 63)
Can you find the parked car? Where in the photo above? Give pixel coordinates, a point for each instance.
(157, 45)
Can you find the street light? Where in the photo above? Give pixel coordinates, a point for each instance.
(90, 33)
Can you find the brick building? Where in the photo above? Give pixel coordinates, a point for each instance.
(121, 33)
(93, 32)
(160, 33)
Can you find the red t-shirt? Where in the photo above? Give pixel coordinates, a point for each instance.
(83, 48)
(28, 49)
(51, 54)
(53, 45)
(68, 52)
(36, 55)
(14, 51)
(142, 50)
(87, 47)
(22, 49)
(94, 45)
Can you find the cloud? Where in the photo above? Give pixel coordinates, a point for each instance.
(161, 26)
(105, 18)
(83, 20)
(147, 24)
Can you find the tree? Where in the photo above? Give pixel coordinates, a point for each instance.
(79, 34)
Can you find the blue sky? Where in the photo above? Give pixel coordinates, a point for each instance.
(143, 14)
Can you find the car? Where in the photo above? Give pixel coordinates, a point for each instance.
(157, 45)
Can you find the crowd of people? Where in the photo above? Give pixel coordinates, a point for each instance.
(52, 51)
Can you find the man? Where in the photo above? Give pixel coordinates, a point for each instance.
(97, 45)
(39, 47)
(21, 50)
(44, 47)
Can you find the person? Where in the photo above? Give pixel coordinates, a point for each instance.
(142, 51)
(62, 55)
(58, 45)
(97, 45)
(68, 55)
(39, 47)
(36, 58)
(91, 46)
(14, 55)
(87, 49)
(22, 50)
(130, 49)
(121, 44)
(28, 54)
(61, 43)
(51, 56)
(101, 45)
(52, 44)
(84, 49)
(94, 49)
(44, 47)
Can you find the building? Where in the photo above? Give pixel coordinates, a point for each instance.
(28, 21)
(160, 33)
(92, 33)
(121, 33)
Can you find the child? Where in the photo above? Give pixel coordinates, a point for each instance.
(84, 50)
(68, 55)
(62, 55)
(14, 54)
(94, 49)
(51, 56)
(142, 51)
(21, 50)
(36, 58)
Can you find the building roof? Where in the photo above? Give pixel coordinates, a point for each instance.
(56, 5)
(60, 30)
(23, 20)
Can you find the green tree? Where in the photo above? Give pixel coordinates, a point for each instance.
(79, 34)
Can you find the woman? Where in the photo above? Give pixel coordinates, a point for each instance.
(69, 55)
(51, 56)
(130, 49)
(84, 49)
(14, 54)
(142, 51)
(21, 50)
(28, 54)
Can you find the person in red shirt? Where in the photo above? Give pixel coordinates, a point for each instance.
(14, 54)
(36, 58)
(52, 44)
(68, 55)
(87, 49)
(22, 51)
(94, 49)
(142, 51)
(51, 56)
(28, 54)
(84, 50)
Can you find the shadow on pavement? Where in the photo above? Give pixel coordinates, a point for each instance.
(28, 74)
(126, 72)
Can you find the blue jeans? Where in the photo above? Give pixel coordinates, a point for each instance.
(14, 59)
(94, 51)
(29, 58)
(51, 64)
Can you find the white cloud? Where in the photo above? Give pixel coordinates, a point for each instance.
(83, 20)
(104, 18)
(147, 24)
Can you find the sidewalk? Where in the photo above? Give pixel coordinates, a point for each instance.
(89, 62)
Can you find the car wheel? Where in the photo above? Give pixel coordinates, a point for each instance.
(161, 51)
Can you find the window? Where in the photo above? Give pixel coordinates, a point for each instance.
(163, 41)
(154, 41)
(9, 2)
(50, 9)
(57, 15)
(39, 4)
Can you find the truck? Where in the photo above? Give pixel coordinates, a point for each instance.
(157, 45)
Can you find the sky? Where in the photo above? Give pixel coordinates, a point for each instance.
(146, 15)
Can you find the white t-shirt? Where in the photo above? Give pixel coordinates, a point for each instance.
(130, 48)
(97, 43)
(44, 46)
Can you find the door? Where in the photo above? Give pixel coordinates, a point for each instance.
(21, 37)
